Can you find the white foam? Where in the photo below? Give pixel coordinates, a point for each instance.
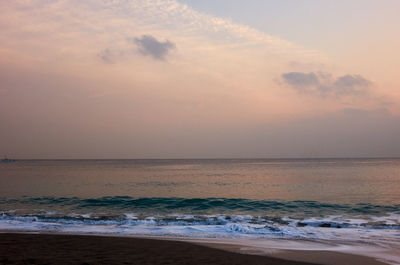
(355, 230)
(130, 216)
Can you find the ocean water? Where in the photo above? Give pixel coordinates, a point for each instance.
(323, 199)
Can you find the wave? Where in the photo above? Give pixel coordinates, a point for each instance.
(244, 216)
(198, 205)
(390, 221)
(209, 226)
(201, 217)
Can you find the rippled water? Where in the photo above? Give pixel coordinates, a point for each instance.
(308, 198)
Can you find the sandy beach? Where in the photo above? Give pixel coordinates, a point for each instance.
(18, 248)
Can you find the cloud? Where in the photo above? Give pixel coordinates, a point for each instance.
(106, 56)
(301, 81)
(351, 84)
(148, 45)
(96, 25)
(186, 21)
(323, 84)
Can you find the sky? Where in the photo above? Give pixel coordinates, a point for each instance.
(199, 79)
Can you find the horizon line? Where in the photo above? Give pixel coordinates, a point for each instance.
(219, 158)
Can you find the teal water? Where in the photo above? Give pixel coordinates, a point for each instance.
(198, 206)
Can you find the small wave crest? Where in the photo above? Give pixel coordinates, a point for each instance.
(390, 221)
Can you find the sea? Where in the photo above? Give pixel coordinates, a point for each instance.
(351, 200)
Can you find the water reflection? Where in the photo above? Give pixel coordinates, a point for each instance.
(328, 180)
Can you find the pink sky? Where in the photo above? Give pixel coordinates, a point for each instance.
(143, 79)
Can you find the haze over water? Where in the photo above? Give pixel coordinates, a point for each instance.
(324, 180)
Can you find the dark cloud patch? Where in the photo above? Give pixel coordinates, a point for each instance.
(323, 84)
(351, 81)
(106, 56)
(301, 81)
(150, 46)
(351, 84)
(146, 45)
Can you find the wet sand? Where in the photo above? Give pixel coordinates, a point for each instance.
(81, 249)
(308, 253)
(18, 248)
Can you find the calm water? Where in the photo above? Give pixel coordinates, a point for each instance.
(374, 181)
(223, 198)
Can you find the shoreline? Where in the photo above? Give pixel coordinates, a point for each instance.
(240, 251)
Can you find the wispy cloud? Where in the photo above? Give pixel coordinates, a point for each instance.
(119, 16)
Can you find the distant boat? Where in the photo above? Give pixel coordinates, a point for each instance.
(7, 160)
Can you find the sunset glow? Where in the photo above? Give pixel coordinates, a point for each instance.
(139, 79)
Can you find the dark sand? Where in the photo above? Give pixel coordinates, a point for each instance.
(74, 249)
